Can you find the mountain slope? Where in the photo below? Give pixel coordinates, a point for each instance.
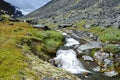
(102, 12)
(10, 9)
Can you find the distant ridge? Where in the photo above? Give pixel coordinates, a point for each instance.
(101, 12)
(10, 9)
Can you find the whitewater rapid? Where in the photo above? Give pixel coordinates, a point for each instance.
(67, 59)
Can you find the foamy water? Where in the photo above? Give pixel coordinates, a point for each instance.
(67, 59)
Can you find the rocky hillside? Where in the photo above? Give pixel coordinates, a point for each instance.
(104, 13)
(9, 9)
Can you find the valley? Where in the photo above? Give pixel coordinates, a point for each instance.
(75, 40)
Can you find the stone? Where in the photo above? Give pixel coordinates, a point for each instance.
(107, 63)
(111, 73)
(44, 27)
(90, 45)
(117, 25)
(100, 56)
(96, 69)
(87, 26)
(87, 58)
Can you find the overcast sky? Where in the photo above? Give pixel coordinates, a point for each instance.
(28, 5)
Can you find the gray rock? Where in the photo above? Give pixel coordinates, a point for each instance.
(117, 25)
(96, 69)
(87, 26)
(100, 56)
(90, 45)
(111, 73)
(107, 63)
(41, 27)
(87, 58)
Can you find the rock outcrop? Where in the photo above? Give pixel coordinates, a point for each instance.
(9, 9)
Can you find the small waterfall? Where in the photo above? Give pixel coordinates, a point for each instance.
(67, 59)
(71, 42)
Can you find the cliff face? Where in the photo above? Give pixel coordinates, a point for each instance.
(102, 12)
(10, 9)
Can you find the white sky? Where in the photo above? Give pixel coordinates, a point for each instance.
(28, 5)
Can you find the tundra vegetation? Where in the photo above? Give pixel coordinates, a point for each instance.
(24, 49)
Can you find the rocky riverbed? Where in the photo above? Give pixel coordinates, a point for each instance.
(82, 54)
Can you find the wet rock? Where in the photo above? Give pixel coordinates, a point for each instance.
(87, 58)
(73, 35)
(107, 63)
(110, 73)
(82, 52)
(83, 36)
(104, 60)
(96, 69)
(90, 45)
(87, 52)
(100, 56)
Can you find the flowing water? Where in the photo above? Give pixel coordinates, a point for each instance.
(67, 59)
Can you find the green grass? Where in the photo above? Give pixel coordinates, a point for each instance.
(12, 57)
(111, 48)
(111, 35)
(11, 62)
(51, 40)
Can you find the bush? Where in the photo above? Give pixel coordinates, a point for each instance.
(111, 34)
(111, 48)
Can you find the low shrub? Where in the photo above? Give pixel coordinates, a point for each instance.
(111, 35)
(113, 48)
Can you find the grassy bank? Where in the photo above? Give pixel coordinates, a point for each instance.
(16, 40)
